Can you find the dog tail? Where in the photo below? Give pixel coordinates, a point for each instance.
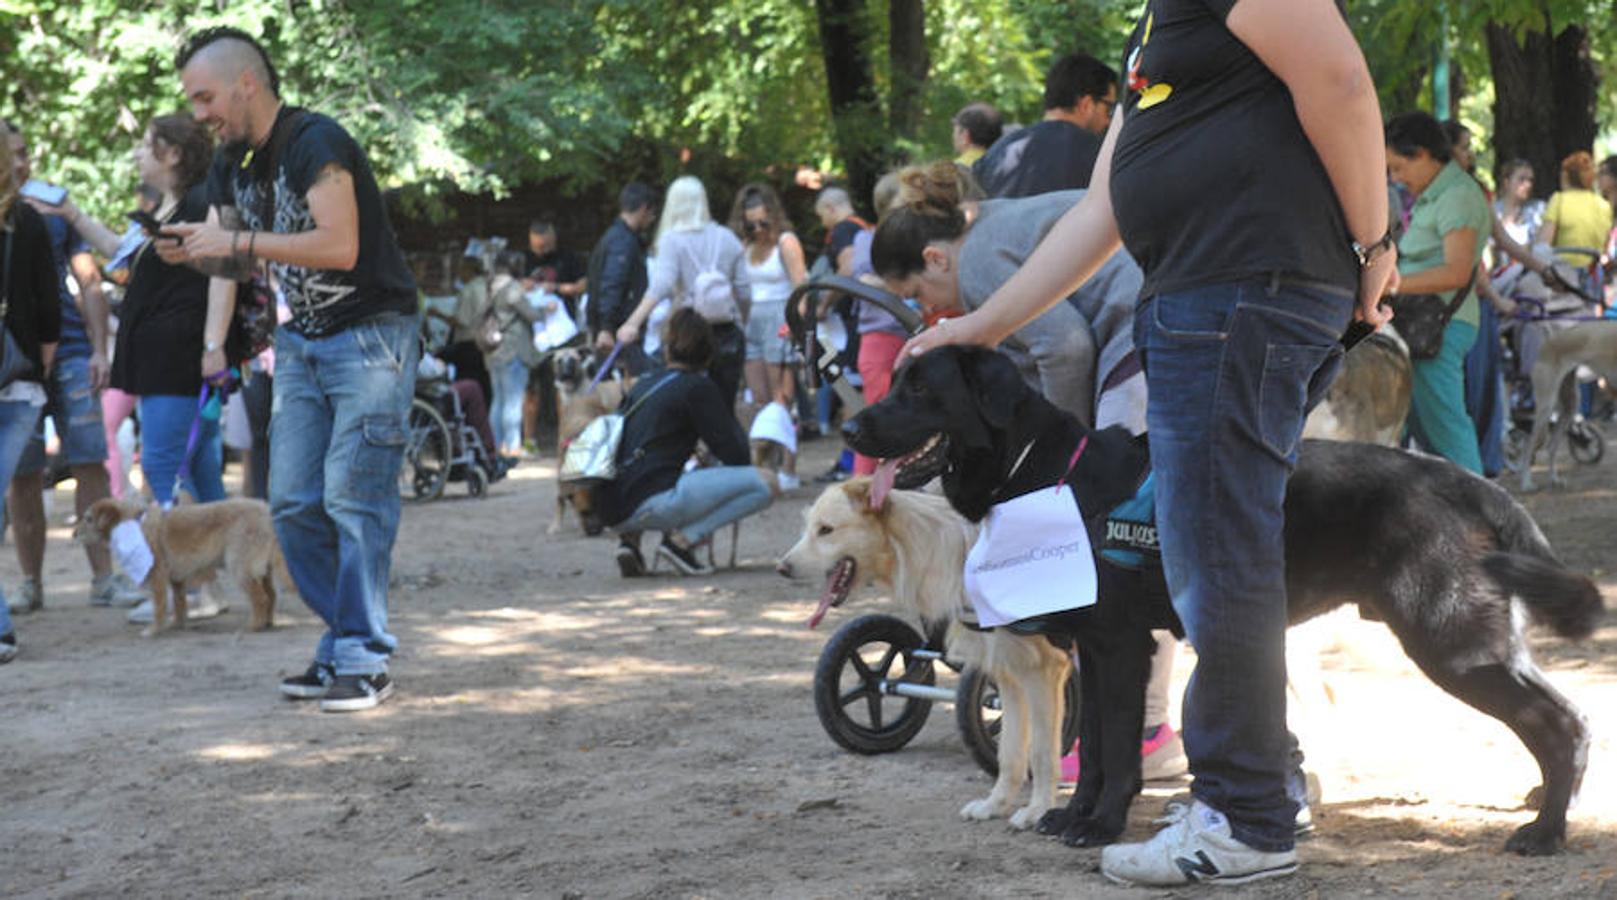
(1567, 602)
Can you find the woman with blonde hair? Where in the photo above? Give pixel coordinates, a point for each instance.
(699, 264)
(32, 315)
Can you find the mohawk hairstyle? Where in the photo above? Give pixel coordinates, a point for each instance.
(199, 41)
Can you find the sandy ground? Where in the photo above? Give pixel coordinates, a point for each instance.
(561, 732)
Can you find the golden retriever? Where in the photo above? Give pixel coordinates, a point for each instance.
(915, 547)
(191, 544)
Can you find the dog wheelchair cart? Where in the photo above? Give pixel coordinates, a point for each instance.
(876, 679)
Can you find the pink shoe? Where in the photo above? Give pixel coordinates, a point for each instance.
(1162, 755)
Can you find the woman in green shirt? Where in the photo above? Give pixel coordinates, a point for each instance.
(1448, 229)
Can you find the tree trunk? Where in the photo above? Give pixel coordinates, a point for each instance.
(911, 63)
(1544, 98)
(855, 111)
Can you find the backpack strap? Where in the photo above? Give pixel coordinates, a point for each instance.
(265, 164)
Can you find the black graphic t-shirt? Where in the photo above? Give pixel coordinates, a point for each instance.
(323, 301)
(1213, 179)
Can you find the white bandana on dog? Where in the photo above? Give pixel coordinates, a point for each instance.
(1032, 556)
(130, 549)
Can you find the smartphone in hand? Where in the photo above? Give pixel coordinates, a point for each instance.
(149, 222)
(45, 192)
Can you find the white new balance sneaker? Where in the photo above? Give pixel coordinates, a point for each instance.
(1197, 848)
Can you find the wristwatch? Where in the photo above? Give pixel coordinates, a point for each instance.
(1367, 255)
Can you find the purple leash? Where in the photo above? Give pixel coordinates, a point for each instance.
(190, 443)
(605, 367)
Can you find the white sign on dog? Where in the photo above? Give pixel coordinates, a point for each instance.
(130, 549)
(1032, 557)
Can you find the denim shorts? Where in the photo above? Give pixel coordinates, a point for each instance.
(75, 411)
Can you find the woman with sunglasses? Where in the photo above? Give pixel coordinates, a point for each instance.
(774, 261)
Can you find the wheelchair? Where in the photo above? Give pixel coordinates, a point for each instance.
(440, 446)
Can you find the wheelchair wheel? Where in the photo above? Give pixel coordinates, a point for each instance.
(977, 711)
(428, 450)
(476, 480)
(1585, 442)
(848, 694)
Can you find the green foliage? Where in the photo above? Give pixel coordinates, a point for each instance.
(483, 95)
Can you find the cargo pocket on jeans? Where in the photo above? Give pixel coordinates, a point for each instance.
(1291, 373)
(376, 462)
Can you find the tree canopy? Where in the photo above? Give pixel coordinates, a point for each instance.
(483, 95)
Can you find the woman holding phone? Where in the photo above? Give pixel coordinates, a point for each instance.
(162, 316)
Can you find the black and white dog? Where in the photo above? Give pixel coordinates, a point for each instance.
(1450, 562)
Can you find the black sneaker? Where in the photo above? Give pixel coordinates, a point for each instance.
(8, 646)
(356, 692)
(312, 684)
(630, 563)
(832, 475)
(680, 558)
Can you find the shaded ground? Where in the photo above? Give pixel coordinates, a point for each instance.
(561, 732)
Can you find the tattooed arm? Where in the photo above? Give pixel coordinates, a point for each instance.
(333, 242)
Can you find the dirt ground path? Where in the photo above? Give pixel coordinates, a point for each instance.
(562, 732)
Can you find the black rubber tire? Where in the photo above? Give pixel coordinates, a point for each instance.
(476, 480)
(428, 450)
(976, 712)
(867, 649)
(1585, 442)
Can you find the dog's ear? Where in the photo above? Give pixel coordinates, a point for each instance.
(994, 383)
(107, 516)
(858, 491)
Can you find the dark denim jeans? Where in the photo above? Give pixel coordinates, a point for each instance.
(1232, 371)
(336, 444)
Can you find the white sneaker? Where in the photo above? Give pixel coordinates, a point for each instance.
(115, 589)
(142, 614)
(1198, 848)
(788, 483)
(30, 597)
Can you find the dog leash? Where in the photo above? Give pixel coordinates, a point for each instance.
(191, 442)
(605, 367)
(1073, 463)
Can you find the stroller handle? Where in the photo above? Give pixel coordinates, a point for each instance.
(842, 284)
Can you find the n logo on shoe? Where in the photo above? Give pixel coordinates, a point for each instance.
(1194, 868)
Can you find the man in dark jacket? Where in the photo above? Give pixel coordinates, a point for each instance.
(617, 271)
(1058, 152)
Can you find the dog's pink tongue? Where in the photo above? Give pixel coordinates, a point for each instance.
(827, 596)
(882, 482)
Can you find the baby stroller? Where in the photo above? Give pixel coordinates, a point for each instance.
(1568, 296)
(440, 446)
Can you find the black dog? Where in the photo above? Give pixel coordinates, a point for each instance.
(1433, 551)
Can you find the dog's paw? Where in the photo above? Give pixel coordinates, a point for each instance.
(1091, 833)
(981, 810)
(1537, 839)
(1028, 817)
(1056, 821)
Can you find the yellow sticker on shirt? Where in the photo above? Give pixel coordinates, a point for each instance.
(1154, 94)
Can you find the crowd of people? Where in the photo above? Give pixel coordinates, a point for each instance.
(1128, 240)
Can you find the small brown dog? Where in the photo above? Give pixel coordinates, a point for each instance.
(191, 544)
(578, 406)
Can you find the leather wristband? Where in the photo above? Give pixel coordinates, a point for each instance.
(1368, 255)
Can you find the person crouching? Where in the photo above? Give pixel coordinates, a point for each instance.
(665, 415)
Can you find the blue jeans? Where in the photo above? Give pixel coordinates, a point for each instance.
(336, 444)
(1232, 371)
(510, 384)
(701, 502)
(17, 422)
(77, 413)
(165, 428)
